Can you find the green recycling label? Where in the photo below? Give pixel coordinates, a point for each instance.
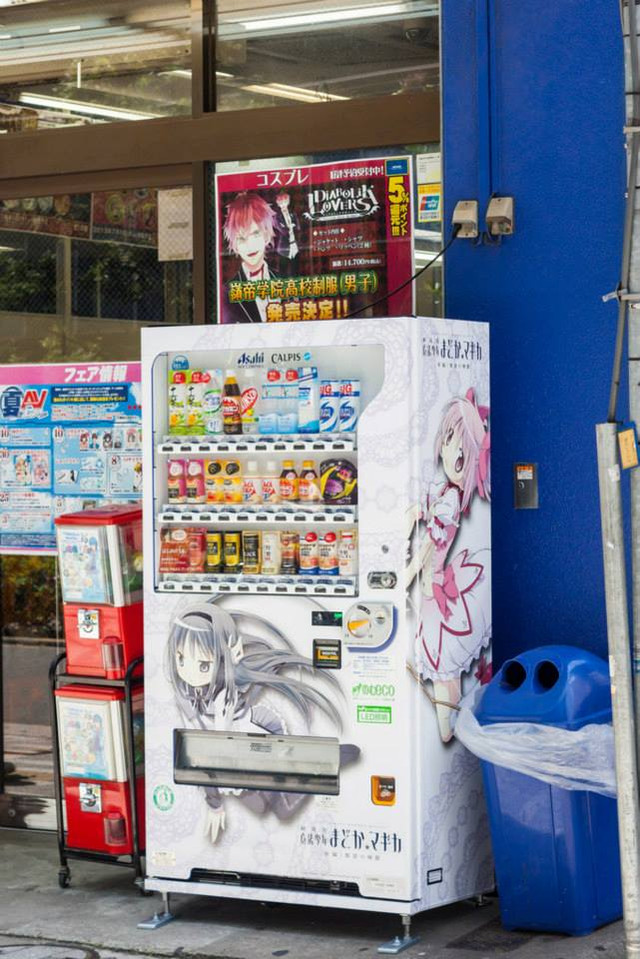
(163, 798)
(374, 714)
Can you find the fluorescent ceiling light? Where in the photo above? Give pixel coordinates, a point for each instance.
(291, 93)
(5, 36)
(86, 109)
(70, 29)
(187, 74)
(327, 16)
(316, 94)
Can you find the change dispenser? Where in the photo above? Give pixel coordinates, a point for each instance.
(100, 555)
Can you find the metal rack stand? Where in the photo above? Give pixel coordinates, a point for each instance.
(131, 860)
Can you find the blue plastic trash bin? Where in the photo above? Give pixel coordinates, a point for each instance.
(556, 850)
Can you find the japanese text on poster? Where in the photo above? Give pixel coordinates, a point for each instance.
(70, 437)
(320, 242)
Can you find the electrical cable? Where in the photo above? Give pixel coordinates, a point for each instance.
(411, 279)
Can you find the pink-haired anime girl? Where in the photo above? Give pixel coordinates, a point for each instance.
(454, 603)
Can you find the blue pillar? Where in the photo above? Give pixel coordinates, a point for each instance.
(533, 107)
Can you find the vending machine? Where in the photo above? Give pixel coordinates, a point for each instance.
(317, 602)
(100, 561)
(94, 768)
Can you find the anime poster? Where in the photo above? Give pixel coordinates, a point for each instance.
(85, 739)
(84, 566)
(70, 437)
(320, 242)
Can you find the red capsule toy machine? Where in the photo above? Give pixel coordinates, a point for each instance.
(95, 773)
(100, 555)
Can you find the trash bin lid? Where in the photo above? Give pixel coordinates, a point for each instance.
(553, 685)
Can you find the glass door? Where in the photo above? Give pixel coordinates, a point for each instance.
(80, 274)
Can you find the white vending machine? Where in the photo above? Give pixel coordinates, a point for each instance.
(317, 601)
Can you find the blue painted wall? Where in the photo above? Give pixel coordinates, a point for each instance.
(533, 107)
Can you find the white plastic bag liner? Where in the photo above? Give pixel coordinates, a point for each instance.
(581, 759)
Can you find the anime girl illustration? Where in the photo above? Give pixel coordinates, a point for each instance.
(228, 669)
(454, 602)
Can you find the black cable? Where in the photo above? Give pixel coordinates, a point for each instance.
(411, 279)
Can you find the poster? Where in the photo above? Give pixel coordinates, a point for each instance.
(318, 242)
(68, 214)
(429, 186)
(429, 203)
(70, 437)
(125, 216)
(175, 224)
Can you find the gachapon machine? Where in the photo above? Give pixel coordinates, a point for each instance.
(100, 557)
(96, 768)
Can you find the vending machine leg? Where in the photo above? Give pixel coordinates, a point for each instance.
(159, 918)
(400, 943)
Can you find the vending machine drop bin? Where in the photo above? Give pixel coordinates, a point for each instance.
(556, 850)
(100, 556)
(93, 766)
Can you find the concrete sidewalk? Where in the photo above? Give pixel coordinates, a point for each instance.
(95, 918)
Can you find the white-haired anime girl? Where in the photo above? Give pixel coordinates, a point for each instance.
(220, 669)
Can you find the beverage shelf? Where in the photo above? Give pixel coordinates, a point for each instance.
(278, 443)
(281, 585)
(276, 515)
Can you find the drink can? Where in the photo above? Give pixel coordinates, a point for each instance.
(347, 554)
(289, 546)
(177, 481)
(329, 405)
(349, 405)
(195, 481)
(308, 553)
(251, 551)
(232, 553)
(271, 552)
(328, 554)
(213, 562)
(213, 481)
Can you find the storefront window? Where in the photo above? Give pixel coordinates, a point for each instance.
(71, 63)
(80, 274)
(273, 54)
(31, 637)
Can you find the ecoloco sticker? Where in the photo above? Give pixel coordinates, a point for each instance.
(374, 714)
(373, 691)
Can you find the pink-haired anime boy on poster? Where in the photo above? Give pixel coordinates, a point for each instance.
(249, 230)
(454, 601)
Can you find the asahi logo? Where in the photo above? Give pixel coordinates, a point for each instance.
(250, 359)
(341, 203)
